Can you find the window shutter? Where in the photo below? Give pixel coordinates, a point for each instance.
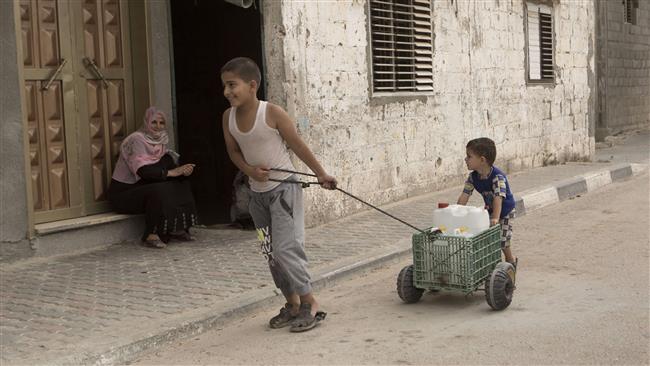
(630, 11)
(546, 41)
(534, 57)
(540, 42)
(402, 47)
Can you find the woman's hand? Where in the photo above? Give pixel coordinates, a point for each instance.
(327, 181)
(186, 170)
(259, 173)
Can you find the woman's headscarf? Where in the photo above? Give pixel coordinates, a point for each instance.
(154, 137)
(143, 147)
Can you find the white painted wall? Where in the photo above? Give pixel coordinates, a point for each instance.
(387, 148)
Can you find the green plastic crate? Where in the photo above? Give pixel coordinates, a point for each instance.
(444, 262)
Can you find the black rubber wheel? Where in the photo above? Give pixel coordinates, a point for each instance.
(499, 288)
(405, 288)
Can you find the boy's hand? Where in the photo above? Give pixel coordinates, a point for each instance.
(260, 173)
(494, 222)
(327, 181)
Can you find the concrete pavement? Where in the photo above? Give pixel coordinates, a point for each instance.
(107, 306)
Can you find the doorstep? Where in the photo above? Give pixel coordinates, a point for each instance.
(86, 233)
(79, 222)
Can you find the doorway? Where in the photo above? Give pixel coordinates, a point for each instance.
(206, 34)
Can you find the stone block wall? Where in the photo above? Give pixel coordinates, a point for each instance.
(385, 148)
(13, 181)
(623, 67)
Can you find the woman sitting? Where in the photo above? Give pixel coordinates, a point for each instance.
(147, 179)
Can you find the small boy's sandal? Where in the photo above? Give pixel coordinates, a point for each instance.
(305, 321)
(283, 319)
(154, 243)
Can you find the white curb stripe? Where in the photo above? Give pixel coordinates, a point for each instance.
(541, 198)
(597, 180)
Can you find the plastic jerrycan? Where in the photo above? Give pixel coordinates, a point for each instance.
(460, 220)
(477, 220)
(458, 223)
(442, 218)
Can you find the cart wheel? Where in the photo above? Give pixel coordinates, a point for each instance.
(405, 289)
(499, 286)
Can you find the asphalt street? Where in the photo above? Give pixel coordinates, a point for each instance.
(582, 298)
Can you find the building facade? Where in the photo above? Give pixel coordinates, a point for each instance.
(386, 93)
(623, 68)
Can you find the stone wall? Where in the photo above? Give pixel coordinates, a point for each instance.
(387, 148)
(623, 68)
(13, 191)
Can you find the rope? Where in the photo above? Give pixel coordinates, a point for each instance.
(307, 184)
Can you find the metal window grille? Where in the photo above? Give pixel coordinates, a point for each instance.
(402, 45)
(629, 10)
(540, 42)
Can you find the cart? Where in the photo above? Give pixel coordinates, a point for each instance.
(459, 264)
(444, 262)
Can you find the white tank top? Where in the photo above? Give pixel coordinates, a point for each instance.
(262, 145)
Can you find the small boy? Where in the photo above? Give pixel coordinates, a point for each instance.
(255, 133)
(493, 186)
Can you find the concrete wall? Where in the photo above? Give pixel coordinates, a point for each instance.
(623, 68)
(13, 191)
(386, 148)
(160, 61)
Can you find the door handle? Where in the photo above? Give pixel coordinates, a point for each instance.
(56, 73)
(91, 64)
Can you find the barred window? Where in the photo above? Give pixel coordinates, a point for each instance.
(402, 45)
(540, 42)
(629, 10)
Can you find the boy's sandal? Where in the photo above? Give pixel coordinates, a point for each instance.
(305, 321)
(155, 243)
(283, 319)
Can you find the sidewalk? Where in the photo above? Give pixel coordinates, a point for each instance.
(107, 306)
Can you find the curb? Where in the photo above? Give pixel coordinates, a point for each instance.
(527, 201)
(536, 198)
(127, 352)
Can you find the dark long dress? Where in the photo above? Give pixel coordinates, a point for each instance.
(167, 202)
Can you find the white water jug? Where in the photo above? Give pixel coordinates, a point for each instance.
(442, 219)
(461, 220)
(478, 220)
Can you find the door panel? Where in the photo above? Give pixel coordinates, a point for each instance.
(38, 171)
(94, 94)
(106, 112)
(48, 32)
(82, 117)
(40, 33)
(52, 120)
(28, 29)
(47, 150)
(44, 106)
(108, 90)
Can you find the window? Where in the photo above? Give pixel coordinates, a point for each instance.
(402, 46)
(629, 10)
(540, 42)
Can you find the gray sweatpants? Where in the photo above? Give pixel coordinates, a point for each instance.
(280, 223)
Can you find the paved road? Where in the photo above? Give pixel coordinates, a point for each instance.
(582, 298)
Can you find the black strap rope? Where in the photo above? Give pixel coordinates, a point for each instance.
(307, 184)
